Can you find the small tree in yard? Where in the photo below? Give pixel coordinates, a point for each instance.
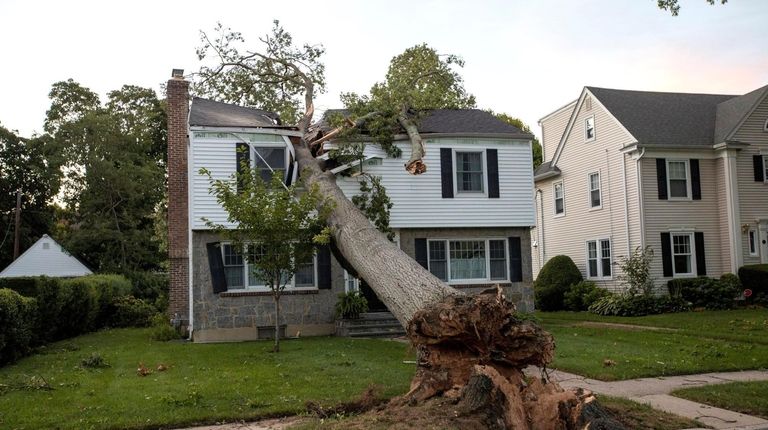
(637, 271)
(277, 227)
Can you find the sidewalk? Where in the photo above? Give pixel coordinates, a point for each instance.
(655, 392)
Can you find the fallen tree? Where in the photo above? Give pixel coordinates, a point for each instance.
(470, 348)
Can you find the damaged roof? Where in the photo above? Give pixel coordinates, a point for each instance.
(209, 113)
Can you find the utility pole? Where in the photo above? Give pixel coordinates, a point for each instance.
(17, 228)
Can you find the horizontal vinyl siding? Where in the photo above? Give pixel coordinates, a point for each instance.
(568, 234)
(672, 215)
(418, 202)
(722, 213)
(753, 196)
(552, 131)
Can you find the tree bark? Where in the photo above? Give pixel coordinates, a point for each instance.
(276, 298)
(415, 164)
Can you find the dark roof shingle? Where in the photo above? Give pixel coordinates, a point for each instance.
(731, 112)
(209, 113)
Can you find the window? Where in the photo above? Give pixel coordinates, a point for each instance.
(350, 283)
(239, 268)
(752, 242)
(765, 168)
(589, 129)
(599, 259)
(765, 126)
(269, 158)
(480, 260)
(469, 172)
(595, 200)
(677, 179)
(559, 199)
(682, 254)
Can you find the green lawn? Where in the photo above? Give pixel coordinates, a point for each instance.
(749, 398)
(204, 383)
(701, 342)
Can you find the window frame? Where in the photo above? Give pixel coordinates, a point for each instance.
(765, 167)
(474, 281)
(600, 276)
(271, 145)
(688, 190)
(765, 126)
(348, 278)
(752, 242)
(483, 173)
(590, 190)
(586, 129)
(692, 255)
(554, 198)
(290, 286)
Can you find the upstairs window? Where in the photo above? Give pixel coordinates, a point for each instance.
(559, 199)
(589, 129)
(267, 159)
(595, 198)
(677, 179)
(469, 172)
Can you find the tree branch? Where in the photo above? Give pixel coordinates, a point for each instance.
(415, 164)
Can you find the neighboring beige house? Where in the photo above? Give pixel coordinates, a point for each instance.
(686, 174)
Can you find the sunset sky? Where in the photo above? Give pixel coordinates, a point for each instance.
(525, 58)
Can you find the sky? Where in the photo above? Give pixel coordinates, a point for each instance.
(523, 57)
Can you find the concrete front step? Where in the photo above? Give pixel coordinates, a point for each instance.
(371, 324)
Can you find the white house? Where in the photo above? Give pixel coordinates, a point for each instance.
(45, 258)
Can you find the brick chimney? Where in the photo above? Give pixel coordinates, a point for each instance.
(178, 196)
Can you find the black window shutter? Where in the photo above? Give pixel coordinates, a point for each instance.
(701, 263)
(216, 264)
(493, 173)
(515, 260)
(666, 254)
(661, 177)
(695, 179)
(446, 172)
(324, 267)
(242, 154)
(757, 162)
(289, 173)
(421, 252)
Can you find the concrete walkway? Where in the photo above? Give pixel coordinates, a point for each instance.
(655, 392)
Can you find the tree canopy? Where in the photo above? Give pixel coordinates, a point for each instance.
(674, 7)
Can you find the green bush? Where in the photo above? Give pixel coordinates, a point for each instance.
(627, 305)
(162, 330)
(554, 279)
(104, 289)
(17, 323)
(580, 296)
(351, 305)
(131, 312)
(151, 287)
(704, 292)
(755, 277)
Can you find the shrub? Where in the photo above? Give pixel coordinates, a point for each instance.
(93, 361)
(554, 279)
(131, 312)
(162, 330)
(351, 305)
(105, 289)
(704, 292)
(755, 277)
(628, 305)
(151, 287)
(580, 296)
(636, 271)
(17, 323)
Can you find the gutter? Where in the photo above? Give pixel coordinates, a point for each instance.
(626, 203)
(640, 198)
(542, 252)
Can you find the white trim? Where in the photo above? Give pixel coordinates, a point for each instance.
(692, 243)
(347, 278)
(599, 256)
(599, 190)
(689, 193)
(447, 241)
(554, 199)
(733, 209)
(765, 126)
(594, 129)
(257, 130)
(484, 173)
(557, 111)
(765, 168)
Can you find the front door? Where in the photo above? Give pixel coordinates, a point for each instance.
(374, 304)
(762, 234)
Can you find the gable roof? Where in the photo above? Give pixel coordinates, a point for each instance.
(466, 122)
(658, 118)
(209, 113)
(731, 113)
(45, 258)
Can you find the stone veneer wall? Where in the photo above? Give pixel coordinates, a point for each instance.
(520, 293)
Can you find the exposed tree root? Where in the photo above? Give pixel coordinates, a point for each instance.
(471, 351)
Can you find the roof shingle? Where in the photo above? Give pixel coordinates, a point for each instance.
(209, 113)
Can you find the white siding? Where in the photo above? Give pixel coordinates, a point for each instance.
(417, 200)
(552, 129)
(753, 196)
(568, 234)
(45, 258)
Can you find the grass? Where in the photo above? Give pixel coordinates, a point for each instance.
(638, 416)
(697, 342)
(203, 383)
(749, 398)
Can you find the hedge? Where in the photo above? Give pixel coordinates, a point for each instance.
(755, 277)
(17, 323)
(554, 280)
(704, 292)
